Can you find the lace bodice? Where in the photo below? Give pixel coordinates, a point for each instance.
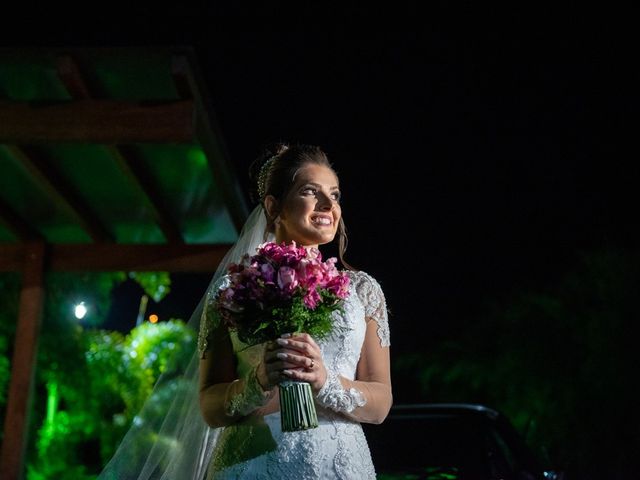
(337, 449)
(365, 302)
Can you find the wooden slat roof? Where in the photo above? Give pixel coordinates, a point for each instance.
(113, 147)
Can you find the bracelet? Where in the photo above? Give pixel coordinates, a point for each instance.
(334, 396)
(249, 399)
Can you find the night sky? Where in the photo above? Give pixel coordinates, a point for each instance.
(477, 153)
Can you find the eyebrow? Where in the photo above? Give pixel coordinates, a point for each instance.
(335, 187)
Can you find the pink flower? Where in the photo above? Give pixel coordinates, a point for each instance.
(339, 286)
(311, 299)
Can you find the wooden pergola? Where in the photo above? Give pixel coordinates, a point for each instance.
(110, 159)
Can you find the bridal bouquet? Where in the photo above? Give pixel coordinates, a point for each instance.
(283, 288)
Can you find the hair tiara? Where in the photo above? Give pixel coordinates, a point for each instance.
(263, 175)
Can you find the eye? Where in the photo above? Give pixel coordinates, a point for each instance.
(335, 195)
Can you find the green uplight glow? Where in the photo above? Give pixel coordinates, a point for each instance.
(48, 429)
(197, 156)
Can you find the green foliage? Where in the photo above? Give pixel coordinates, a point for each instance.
(558, 362)
(89, 383)
(98, 401)
(155, 349)
(64, 410)
(111, 387)
(76, 472)
(256, 326)
(155, 284)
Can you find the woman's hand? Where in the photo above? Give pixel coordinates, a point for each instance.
(294, 357)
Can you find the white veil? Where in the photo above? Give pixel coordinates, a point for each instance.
(174, 442)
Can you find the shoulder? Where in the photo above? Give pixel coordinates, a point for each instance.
(360, 278)
(367, 287)
(370, 293)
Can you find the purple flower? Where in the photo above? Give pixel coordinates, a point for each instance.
(287, 280)
(268, 272)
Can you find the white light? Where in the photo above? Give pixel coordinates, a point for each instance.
(80, 311)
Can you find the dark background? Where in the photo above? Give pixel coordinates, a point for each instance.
(478, 151)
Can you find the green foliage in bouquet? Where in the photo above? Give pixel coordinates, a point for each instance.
(293, 317)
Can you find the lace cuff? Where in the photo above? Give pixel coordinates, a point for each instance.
(243, 402)
(334, 396)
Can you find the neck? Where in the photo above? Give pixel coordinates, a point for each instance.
(280, 240)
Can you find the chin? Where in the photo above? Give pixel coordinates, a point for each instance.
(326, 239)
(318, 239)
(313, 236)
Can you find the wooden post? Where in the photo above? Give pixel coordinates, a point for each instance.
(22, 367)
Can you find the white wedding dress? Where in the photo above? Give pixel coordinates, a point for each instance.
(337, 448)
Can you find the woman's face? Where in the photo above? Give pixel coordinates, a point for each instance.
(311, 211)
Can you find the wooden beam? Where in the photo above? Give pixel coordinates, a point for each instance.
(16, 421)
(130, 162)
(127, 157)
(55, 185)
(106, 257)
(189, 85)
(97, 121)
(169, 258)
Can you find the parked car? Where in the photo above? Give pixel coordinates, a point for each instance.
(453, 442)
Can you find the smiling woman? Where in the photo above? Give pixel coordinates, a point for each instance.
(298, 192)
(228, 424)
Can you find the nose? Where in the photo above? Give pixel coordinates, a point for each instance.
(325, 203)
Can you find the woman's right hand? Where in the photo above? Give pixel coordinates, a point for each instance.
(269, 372)
(292, 357)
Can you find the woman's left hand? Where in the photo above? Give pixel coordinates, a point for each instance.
(301, 351)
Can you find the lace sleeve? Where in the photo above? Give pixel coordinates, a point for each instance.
(334, 396)
(375, 305)
(209, 318)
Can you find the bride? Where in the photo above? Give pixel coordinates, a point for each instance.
(226, 423)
